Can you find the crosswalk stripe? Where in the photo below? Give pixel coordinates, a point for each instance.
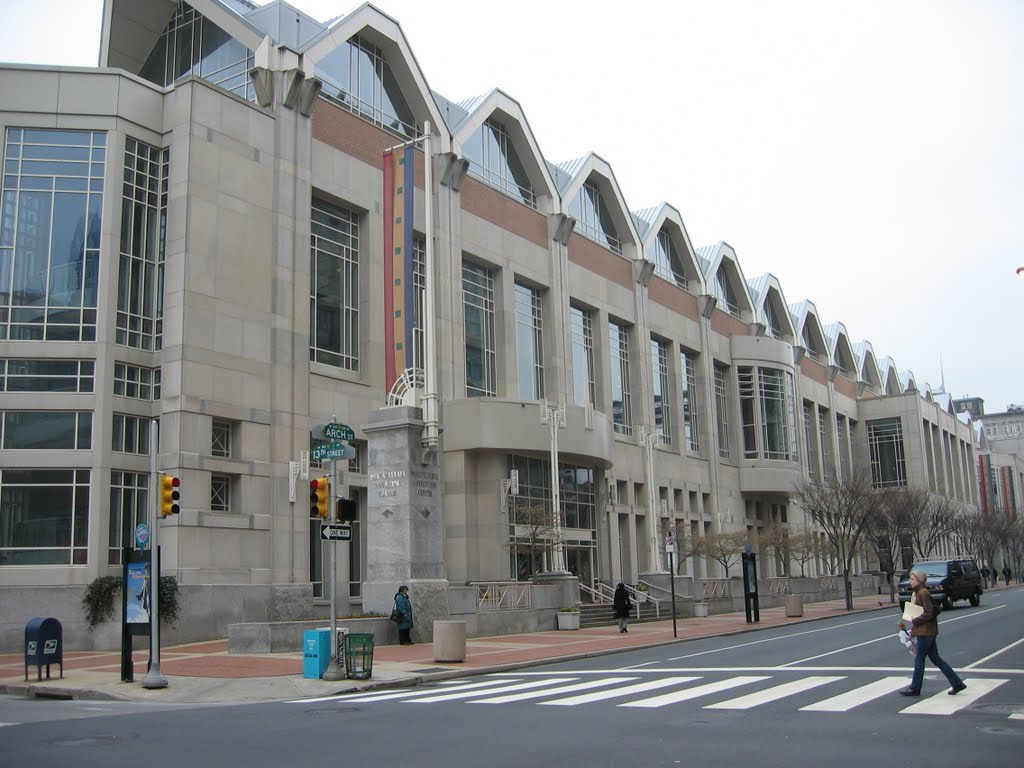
(847, 701)
(695, 693)
(941, 704)
(503, 689)
(1017, 716)
(587, 698)
(775, 693)
(408, 693)
(584, 686)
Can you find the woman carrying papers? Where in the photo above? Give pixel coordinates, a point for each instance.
(925, 630)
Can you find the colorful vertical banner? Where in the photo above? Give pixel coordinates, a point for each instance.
(1006, 474)
(984, 469)
(399, 308)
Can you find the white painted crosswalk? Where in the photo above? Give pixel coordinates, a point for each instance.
(840, 693)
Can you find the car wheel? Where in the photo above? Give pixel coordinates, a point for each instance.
(975, 599)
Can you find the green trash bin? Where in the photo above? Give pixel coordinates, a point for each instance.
(359, 656)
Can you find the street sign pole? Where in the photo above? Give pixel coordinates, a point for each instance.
(670, 548)
(335, 671)
(154, 677)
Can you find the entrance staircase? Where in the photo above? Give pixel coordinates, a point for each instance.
(600, 614)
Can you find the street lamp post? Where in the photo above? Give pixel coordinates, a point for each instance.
(647, 438)
(553, 416)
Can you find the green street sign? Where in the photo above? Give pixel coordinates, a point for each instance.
(339, 432)
(333, 451)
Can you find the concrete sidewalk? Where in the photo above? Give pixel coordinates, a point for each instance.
(207, 673)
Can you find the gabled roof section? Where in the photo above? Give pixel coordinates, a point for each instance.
(770, 307)
(908, 381)
(509, 113)
(868, 365)
(841, 351)
(650, 223)
(722, 273)
(378, 28)
(594, 169)
(131, 28)
(809, 331)
(890, 376)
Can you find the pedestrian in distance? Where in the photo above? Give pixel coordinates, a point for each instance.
(404, 606)
(984, 575)
(621, 605)
(1006, 574)
(925, 630)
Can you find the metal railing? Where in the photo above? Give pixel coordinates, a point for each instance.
(492, 596)
(828, 583)
(779, 585)
(716, 588)
(601, 594)
(640, 597)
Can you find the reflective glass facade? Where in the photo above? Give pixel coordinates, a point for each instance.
(582, 341)
(44, 516)
(493, 160)
(478, 315)
(667, 263)
(529, 343)
(334, 286)
(593, 219)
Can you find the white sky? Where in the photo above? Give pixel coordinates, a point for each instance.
(869, 153)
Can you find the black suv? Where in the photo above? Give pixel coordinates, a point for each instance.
(948, 580)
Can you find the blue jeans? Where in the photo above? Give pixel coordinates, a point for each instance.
(927, 646)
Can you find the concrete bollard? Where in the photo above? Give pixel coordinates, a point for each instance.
(794, 605)
(449, 641)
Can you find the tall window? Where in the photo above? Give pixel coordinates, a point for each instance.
(812, 444)
(592, 218)
(334, 286)
(811, 340)
(478, 312)
(667, 263)
(661, 392)
(129, 493)
(582, 340)
(358, 77)
(419, 285)
(140, 279)
(766, 395)
(44, 516)
(691, 419)
(722, 409)
(724, 292)
(529, 343)
(46, 430)
(47, 375)
(618, 343)
(772, 324)
(50, 220)
(220, 438)
(136, 382)
(220, 493)
(493, 160)
(885, 447)
(825, 438)
(130, 434)
(193, 45)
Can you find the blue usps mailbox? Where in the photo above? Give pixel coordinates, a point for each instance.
(44, 645)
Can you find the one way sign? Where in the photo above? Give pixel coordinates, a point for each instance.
(335, 532)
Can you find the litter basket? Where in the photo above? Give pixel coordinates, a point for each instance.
(359, 656)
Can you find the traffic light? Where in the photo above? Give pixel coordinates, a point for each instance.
(169, 495)
(320, 497)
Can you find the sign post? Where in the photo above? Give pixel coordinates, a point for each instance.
(154, 677)
(670, 550)
(335, 451)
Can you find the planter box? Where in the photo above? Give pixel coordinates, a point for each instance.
(568, 619)
(700, 610)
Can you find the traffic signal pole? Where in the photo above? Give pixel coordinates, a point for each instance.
(335, 671)
(154, 677)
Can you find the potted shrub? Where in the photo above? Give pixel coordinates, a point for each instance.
(569, 617)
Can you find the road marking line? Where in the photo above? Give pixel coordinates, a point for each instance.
(502, 689)
(694, 693)
(701, 670)
(858, 696)
(585, 686)
(1014, 716)
(979, 662)
(378, 696)
(628, 690)
(6, 724)
(775, 693)
(941, 704)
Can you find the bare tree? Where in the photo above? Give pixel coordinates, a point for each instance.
(844, 511)
(803, 546)
(774, 541)
(723, 548)
(992, 533)
(1015, 543)
(967, 532)
(929, 519)
(687, 545)
(534, 527)
(888, 525)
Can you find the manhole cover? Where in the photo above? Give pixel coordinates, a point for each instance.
(86, 741)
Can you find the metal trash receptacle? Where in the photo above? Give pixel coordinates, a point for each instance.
(359, 656)
(316, 653)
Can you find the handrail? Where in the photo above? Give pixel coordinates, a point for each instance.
(716, 588)
(597, 596)
(639, 598)
(494, 596)
(779, 585)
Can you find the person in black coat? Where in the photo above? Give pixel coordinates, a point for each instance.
(621, 605)
(1006, 574)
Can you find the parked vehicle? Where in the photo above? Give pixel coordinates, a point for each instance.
(948, 581)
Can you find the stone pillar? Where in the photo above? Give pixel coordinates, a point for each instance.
(404, 524)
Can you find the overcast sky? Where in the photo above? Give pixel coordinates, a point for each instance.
(869, 153)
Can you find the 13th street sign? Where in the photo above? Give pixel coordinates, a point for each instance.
(335, 532)
(333, 451)
(339, 432)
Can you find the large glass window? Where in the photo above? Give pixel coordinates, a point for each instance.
(478, 312)
(593, 219)
(825, 439)
(885, 447)
(50, 221)
(193, 45)
(810, 339)
(843, 436)
(357, 76)
(618, 349)
(766, 398)
(140, 280)
(722, 409)
(725, 293)
(130, 434)
(47, 375)
(129, 495)
(582, 339)
(811, 443)
(529, 343)
(661, 392)
(691, 419)
(44, 516)
(136, 382)
(46, 430)
(667, 263)
(748, 411)
(334, 286)
(772, 325)
(419, 284)
(493, 160)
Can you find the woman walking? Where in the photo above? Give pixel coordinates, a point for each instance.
(404, 606)
(621, 606)
(926, 630)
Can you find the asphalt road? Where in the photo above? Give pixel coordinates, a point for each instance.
(821, 693)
